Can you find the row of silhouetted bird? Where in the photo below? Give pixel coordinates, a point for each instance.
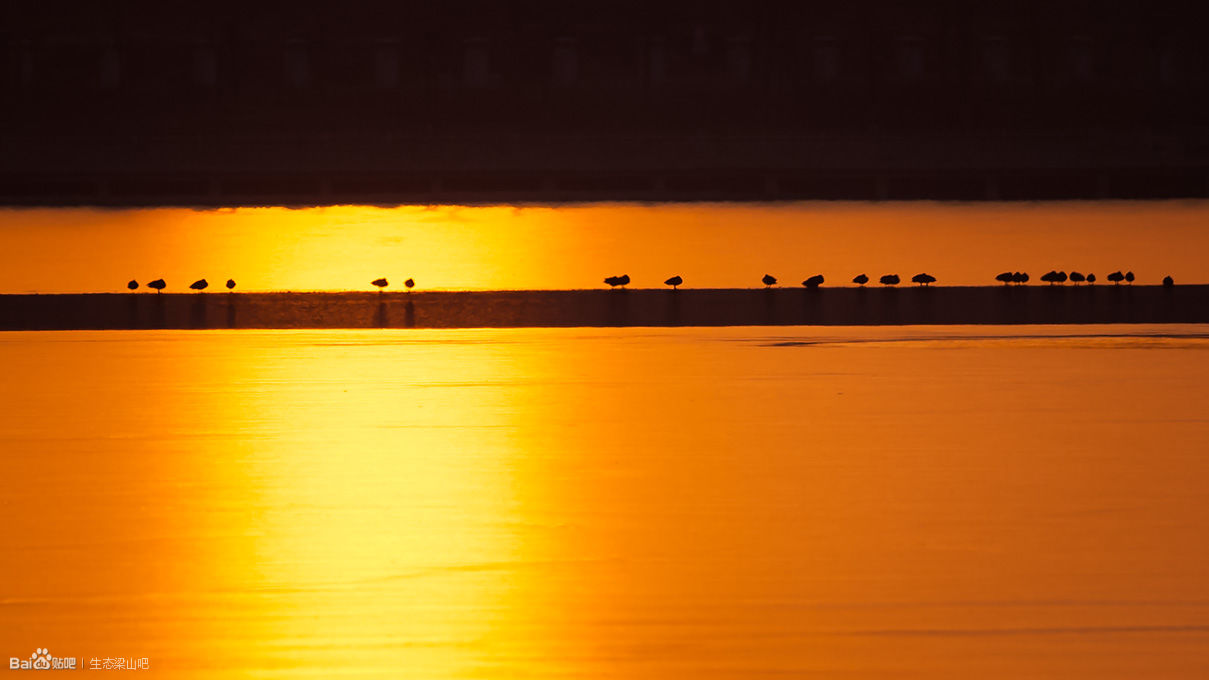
(1051, 277)
(1059, 277)
(159, 285)
(769, 280)
(923, 279)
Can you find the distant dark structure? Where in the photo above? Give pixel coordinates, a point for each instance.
(409, 284)
(158, 285)
(380, 283)
(889, 280)
(230, 284)
(842, 305)
(1116, 277)
(132, 285)
(1168, 282)
(923, 279)
(1005, 277)
(813, 281)
(615, 281)
(199, 285)
(860, 279)
(1077, 278)
(1091, 279)
(1129, 277)
(145, 102)
(769, 280)
(1019, 278)
(675, 282)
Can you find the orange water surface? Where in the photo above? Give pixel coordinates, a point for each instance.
(1015, 502)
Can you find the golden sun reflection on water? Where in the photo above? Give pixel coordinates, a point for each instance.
(543, 247)
(386, 492)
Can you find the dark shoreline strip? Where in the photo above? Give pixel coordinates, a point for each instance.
(562, 308)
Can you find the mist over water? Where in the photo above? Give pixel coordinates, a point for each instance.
(637, 503)
(576, 246)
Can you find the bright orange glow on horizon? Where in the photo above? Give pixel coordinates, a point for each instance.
(505, 247)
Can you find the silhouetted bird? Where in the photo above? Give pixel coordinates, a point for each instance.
(230, 284)
(1053, 277)
(923, 279)
(1006, 278)
(133, 285)
(1168, 282)
(769, 280)
(1129, 277)
(199, 284)
(1076, 277)
(380, 283)
(860, 279)
(1019, 277)
(1116, 277)
(615, 281)
(1091, 279)
(674, 282)
(158, 285)
(410, 283)
(889, 280)
(814, 281)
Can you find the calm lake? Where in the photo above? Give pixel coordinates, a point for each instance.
(914, 502)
